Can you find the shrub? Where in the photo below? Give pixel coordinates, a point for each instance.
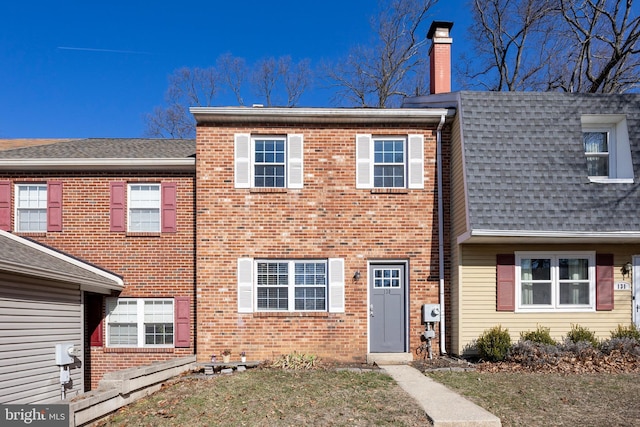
(296, 361)
(579, 333)
(623, 345)
(541, 335)
(494, 344)
(631, 332)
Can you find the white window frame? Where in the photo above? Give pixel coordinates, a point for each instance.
(245, 162)
(555, 306)
(140, 322)
(615, 125)
(413, 161)
(254, 163)
(404, 165)
(21, 209)
(130, 206)
(291, 285)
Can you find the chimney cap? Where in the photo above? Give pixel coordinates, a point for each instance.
(438, 24)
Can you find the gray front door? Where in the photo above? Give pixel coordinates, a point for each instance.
(387, 315)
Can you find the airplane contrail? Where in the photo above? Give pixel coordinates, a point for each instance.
(89, 49)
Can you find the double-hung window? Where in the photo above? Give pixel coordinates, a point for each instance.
(389, 162)
(144, 207)
(287, 285)
(555, 281)
(291, 285)
(605, 140)
(139, 322)
(268, 161)
(31, 207)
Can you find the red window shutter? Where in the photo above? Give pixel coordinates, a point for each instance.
(94, 318)
(5, 205)
(117, 206)
(506, 282)
(182, 321)
(54, 206)
(604, 282)
(169, 200)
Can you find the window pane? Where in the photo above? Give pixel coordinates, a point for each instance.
(596, 146)
(123, 334)
(535, 269)
(574, 269)
(574, 293)
(269, 163)
(597, 166)
(31, 209)
(389, 163)
(536, 293)
(144, 208)
(595, 142)
(272, 298)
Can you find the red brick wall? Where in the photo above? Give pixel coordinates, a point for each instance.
(158, 265)
(328, 218)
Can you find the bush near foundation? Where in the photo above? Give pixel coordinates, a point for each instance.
(494, 344)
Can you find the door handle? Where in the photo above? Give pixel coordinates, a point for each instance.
(371, 310)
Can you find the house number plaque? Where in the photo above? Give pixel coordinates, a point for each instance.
(622, 286)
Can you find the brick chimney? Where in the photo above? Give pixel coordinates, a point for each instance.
(440, 57)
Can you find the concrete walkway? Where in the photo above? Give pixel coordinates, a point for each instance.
(443, 407)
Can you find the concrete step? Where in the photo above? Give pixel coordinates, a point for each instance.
(389, 358)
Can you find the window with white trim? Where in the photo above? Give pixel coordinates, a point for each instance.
(291, 285)
(268, 161)
(606, 146)
(144, 208)
(555, 281)
(390, 161)
(140, 322)
(31, 207)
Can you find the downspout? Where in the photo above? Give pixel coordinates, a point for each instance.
(443, 349)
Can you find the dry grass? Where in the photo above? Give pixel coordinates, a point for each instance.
(551, 399)
(272, 397)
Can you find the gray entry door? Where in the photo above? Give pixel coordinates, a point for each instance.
(387, 315)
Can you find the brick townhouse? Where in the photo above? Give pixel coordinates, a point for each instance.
(125, 206)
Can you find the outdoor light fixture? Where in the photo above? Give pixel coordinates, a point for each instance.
(626, 269)
(356, 276)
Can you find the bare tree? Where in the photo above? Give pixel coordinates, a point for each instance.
(187, 87)
(603, 46)
(511, 44)
(271, 78)
(381, 74)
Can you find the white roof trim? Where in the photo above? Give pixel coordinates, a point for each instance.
(318, 115)
(496, 236)
(42, 272)
(98, 163)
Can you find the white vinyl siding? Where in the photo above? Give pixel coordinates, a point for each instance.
(35, 316)
(268, 161)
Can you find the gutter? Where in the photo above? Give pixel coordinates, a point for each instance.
(178, 164)
(443, 349)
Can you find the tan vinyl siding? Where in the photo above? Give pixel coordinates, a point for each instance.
(458, 201)
(478, 296)
(34, 317)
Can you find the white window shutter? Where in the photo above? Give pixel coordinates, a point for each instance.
(295, 172)
(364, 161)
(336, 285)
(245, 285)
(415, 152)
(242, 170)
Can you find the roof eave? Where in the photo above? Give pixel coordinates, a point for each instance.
(547, 236)
(173, 164)
(348, 116)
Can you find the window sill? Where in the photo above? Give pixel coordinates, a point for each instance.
(320, 314)
(31, 233)
(389, 191)
(267, 190)
(604, 180)
(138, 350)
(143, 234)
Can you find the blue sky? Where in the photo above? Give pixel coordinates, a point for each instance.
(87, 68)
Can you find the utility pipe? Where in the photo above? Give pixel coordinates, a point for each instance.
(443, 349)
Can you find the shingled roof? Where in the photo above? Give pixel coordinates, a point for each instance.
(525, 168)
(28, 258)
(106, 148)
